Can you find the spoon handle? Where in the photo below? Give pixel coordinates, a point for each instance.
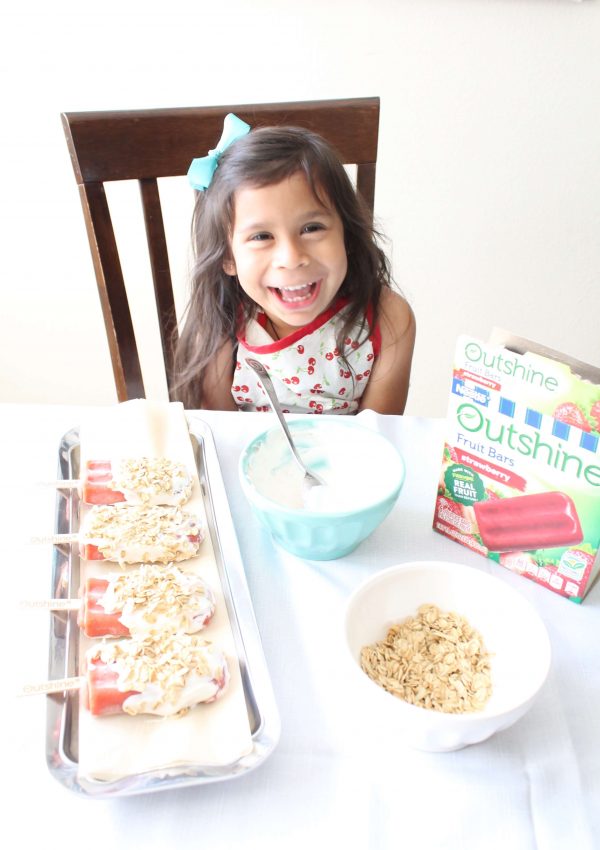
(270, 391)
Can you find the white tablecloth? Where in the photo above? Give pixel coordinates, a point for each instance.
(535, 785)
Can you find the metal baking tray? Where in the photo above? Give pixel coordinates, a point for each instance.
(63, 709)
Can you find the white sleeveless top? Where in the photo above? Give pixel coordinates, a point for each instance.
(307, 371)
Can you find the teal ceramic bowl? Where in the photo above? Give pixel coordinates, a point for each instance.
(363, 470)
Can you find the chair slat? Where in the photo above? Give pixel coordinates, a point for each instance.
(113, 295)
(365, 183)
(161, 272)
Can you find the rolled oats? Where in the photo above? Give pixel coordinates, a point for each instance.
(164, 661)
(154, 478)
(131, 533)
(435, 660)
(156, 594)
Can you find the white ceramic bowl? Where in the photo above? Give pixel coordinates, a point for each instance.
(511, 629)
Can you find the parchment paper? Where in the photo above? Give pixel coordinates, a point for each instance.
(215, 734)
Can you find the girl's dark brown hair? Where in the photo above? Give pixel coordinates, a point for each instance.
(218, 304)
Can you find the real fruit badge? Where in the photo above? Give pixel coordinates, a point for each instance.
(520, 477)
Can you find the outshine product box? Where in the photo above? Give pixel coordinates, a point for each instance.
(520, 477)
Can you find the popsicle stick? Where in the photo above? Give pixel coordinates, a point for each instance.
(56, 539)
(57, 686)
(52, 604)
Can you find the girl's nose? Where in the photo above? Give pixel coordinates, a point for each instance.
(290, 254)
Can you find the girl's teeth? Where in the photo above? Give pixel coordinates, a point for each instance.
(296, 293)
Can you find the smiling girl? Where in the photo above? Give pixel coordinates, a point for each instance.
(288, 271)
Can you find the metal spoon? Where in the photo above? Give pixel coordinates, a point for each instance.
(311, 479)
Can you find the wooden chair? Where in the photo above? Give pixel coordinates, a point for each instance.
(145, 145)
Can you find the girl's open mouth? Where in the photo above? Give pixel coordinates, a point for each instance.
(297, 296)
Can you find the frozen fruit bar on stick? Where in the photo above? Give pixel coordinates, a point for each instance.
(167, 676)
(139, 481)
(146, 601)
(536, 521)
(131, 534)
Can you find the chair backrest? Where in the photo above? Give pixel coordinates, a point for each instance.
(148, 144)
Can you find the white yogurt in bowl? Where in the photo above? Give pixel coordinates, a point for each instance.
(359, 466)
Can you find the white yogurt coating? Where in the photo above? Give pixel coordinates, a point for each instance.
(152, 481)
(130, 534)
(197, 689)
(359, 467)
(170, 674)
(136, 553)
(155, 598)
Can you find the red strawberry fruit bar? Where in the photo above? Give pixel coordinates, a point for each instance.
(130, 534)
(145, 601)
(167, 676)
(139, 481)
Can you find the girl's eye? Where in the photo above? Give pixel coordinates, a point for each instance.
(313, 227)
(260, 237)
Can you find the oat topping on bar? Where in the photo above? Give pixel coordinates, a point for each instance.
(158, 533)
(166, 664)
(159, 595)
(151, 477)
(435, 660)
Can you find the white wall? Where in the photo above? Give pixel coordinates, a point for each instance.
(488, 177)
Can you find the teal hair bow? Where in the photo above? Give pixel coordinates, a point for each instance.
(200, 172)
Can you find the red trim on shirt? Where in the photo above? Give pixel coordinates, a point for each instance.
(290, 339)
(319, 321)
(375, 335)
